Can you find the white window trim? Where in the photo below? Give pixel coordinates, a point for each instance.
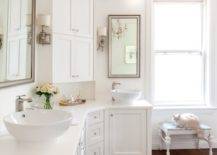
(150, 55)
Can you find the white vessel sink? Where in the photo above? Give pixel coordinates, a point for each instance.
(38, 125)
(125, 96)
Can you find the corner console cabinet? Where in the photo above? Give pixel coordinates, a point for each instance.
(72, 40)
(128, 132)
(117, 131)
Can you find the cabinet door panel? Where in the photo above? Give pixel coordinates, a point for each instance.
(61, 59)
(127, 132)
(83, 21)
(61, 16)
(83, 59)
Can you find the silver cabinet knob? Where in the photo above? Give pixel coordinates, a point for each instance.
(111, 115)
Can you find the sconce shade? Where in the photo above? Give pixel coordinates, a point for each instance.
(102, 31)
(44, 20)
(28, 19)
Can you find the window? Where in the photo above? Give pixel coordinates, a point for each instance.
(178, 52)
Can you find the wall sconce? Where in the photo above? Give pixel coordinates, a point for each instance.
(44, 37)
(1, 38)
(102, 34)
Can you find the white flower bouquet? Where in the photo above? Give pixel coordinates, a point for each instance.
(48, 90)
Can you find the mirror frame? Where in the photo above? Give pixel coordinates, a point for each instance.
(32, 79)
(133, 16)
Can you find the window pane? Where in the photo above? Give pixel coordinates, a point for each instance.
(178, 77)
(177, 26)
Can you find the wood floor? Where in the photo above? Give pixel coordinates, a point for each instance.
(185, 152)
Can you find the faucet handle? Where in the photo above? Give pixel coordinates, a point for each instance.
(20, 96)
(24, 97)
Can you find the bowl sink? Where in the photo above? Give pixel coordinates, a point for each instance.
(125, 96)
(38, 125)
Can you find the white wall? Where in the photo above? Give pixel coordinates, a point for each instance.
(103, 84)
(102, 9)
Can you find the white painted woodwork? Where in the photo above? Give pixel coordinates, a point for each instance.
(83, 59)
(74, 17)
(72, 24)
(95, 117)
(61, 16)
(96, 149)
(95, 133)
(127, 132)
(94, 137)
(61, 59)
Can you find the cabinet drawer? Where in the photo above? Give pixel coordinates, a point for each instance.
(95, 133)
(95, 117)
(96, 149)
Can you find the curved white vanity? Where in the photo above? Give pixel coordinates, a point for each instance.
(98, 128)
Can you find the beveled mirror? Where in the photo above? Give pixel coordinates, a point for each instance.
(124, 46)
(17, 42)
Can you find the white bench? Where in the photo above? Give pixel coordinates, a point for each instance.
(167, 130)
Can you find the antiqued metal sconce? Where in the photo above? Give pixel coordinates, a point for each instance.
(44, 37)
(102, 34)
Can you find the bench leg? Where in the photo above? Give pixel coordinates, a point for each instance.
(198, 143)
(168, 142)
(210, 145)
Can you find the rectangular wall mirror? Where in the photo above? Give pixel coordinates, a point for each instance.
(124, 46)
(17, 42)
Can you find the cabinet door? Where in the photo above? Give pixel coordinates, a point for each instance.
(82, 57)
(62, 58)
(82, 17)
(127, 134)
(61, 16)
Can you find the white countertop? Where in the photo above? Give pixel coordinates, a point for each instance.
(66, 144)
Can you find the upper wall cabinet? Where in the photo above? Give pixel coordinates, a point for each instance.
(72, 40)
(73, 17)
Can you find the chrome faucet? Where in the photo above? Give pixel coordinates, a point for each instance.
(19, 102)
(114, 84)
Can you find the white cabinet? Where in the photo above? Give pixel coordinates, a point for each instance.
(72, 40)
(95, 133)
(127, 132)
(118, 131)
(72, 59)
(82, 59)
(75, 17)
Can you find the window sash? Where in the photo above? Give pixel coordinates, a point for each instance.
(182, 102)
(202, 53)
(202, 22)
